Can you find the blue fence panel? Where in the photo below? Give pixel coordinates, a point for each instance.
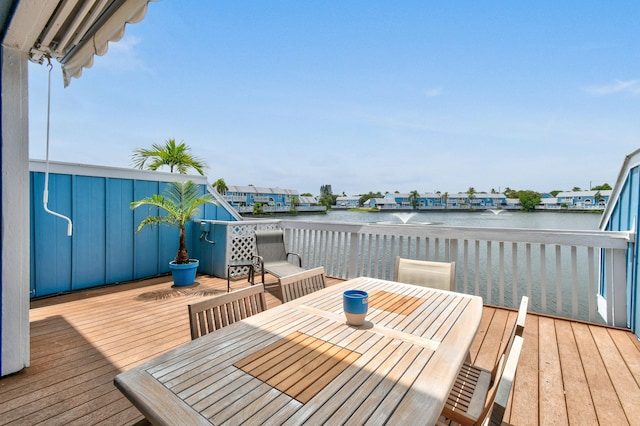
(146, 242)
(89, 242)
(214, 212)
(120, 230)
(168, 239)
(52, 247)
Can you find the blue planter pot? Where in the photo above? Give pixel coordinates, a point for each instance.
(184, 274)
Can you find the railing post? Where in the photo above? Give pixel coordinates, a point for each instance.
(354, 250)
(612, 306)
(620, 288)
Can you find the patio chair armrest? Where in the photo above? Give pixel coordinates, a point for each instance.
(259, 259)
(296, 255)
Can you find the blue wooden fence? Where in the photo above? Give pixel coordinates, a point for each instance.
(105, 247)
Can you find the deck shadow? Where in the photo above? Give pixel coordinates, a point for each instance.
(69, 379)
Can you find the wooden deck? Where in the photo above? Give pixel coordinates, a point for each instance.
(569, 372)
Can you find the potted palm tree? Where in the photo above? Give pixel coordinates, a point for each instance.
(181, 203)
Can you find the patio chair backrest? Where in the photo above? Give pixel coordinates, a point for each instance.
(270, 245)
(211, 314)
(517, 330)
(477, 392)
(472, 401)
(440, 275)
(302, 283)
(499, 393)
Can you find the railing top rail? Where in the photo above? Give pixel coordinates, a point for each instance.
(240, 222)
(593, 238)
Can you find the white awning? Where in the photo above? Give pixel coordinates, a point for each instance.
(132, 11)
(71, 31)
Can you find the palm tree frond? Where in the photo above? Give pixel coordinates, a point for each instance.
(180, 203)
(177, 156)
(155, 220)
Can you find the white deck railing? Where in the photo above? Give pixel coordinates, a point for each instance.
(559, 270)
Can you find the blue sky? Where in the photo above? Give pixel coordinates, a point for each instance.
(362, 95)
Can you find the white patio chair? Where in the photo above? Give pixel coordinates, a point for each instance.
(440, 275)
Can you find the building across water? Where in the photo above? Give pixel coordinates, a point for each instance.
(249, 199)
(573, 200)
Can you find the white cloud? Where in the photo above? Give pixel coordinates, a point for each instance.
(123, 55)
(436, 91)
(630, 87)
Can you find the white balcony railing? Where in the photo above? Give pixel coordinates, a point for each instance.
(559, 270)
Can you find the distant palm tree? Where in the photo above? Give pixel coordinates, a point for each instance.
(413, 197)
(175, 155)
(295, 202)
(221, 186)
(471, 192)
(598, 197)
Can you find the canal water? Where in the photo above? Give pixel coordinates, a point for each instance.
(503, 219)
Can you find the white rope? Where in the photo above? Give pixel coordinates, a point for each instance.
(45, 197)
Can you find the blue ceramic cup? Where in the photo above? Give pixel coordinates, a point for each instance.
(355, 304)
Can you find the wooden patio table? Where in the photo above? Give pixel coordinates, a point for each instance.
(301, 363)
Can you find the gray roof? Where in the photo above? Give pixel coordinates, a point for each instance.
(248, 189)
(308, 200)
(605, 192)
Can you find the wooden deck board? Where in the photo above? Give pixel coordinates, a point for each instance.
(580, 406)
(628, 346)
(551, 404)
(625, 386)
(568, 372)
(606, 402)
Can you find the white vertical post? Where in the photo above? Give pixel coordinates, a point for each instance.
(14, 245)
(613, 306)
(619, 288)
(354, 247)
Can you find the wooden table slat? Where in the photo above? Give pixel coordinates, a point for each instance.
(177, 377)
(378, 386)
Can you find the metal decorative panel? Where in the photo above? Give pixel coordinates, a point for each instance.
(241, 243)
